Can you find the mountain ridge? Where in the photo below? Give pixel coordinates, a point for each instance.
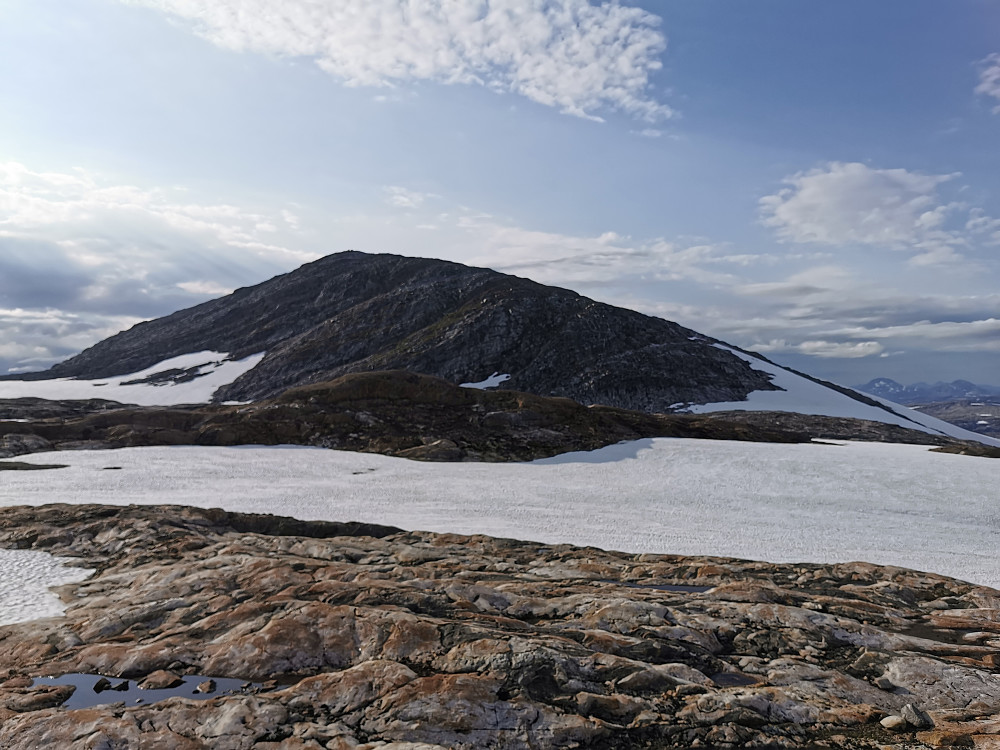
(928, 393)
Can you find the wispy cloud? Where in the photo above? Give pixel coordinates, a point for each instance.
(580, 58)
(400, 197)
(823, 349)
(989, 78)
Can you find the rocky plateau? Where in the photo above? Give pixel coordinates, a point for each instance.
(352, 636)
(413, 416)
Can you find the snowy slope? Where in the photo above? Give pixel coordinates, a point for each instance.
(805, 396)
(212, 370)
(884, 503)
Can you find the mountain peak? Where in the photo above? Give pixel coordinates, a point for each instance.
(355, 312)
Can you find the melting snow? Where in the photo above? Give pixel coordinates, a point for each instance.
(884, 503)
(25, 578)
(804, 396)
(491, 382)
(214, 371)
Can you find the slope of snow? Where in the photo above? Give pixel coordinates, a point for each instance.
(215, 371)
(491, 382)
(884, 503)
(25, 578)
(804, 396)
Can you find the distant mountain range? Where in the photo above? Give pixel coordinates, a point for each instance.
(355, 313)
(928, 393)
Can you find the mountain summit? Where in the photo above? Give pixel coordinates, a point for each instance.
(354, 312)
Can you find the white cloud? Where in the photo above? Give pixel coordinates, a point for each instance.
(79, 209)
(823, 349)
(562, 259)
(568, 54)
(207, 288)
(400, 197)
(948, 335)
(989, 78)
(82, 257)
(854, 204)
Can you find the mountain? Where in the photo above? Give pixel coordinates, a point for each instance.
(924, 393)
(353, 313)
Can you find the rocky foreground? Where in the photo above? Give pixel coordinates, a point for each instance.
(379, 638)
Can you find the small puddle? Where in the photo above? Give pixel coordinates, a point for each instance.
(89, 692)
(674, 587)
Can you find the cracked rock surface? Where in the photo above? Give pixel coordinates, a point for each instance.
(368, 636)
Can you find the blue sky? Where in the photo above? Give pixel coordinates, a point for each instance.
(818, 182)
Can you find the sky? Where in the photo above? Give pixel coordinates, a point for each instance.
(817, 182)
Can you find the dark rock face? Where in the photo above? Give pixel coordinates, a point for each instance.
(379, 636)
(353, 312)
(40, 408)
(980, 415)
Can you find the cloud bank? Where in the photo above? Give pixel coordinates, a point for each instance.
(82, 257)
(895, 209)
(568, 54)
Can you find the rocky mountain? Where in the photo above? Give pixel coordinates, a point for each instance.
(353, 312)
(925, 393)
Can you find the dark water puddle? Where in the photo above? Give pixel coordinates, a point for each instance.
(91, 691)
(676, 588)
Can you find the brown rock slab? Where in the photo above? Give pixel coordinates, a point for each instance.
(161, 679)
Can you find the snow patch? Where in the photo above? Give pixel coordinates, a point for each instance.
(805, 396)
(884, 503)
(186, 379)
(491, 382)
(25, 578)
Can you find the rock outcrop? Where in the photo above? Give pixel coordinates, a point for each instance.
(370, 637)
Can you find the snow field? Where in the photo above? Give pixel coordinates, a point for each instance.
(883, 503)
(25, 578)
(215, 372)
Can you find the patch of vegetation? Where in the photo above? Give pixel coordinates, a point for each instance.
(22, 466)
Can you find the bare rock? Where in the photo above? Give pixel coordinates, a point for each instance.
(916, 717)
(365, 636)
(895, 723)
(161, 680)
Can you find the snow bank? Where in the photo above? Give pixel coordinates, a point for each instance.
(214, 371)
(491, 382)
(25, 578)
(805, 396)
(884, 503)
